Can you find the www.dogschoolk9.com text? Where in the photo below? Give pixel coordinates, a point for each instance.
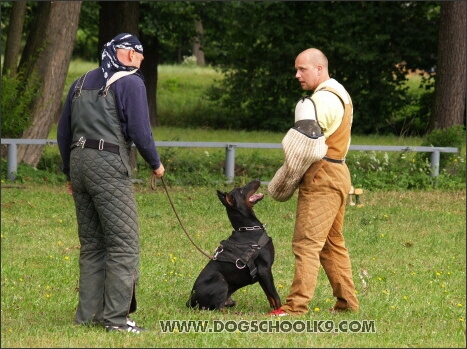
(268, 326)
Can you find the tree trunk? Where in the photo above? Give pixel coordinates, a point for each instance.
(149, 69)
(450, 89)
(35, 39)
(117, 17)
(13, 40)
(53, 43)
(197, 52)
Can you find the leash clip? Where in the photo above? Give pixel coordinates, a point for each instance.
(220, 249)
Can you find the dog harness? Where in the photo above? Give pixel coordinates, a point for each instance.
(240, 252)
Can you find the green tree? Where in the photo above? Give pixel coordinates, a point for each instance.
(13, 42)
(167, 30)
(45, 59)
(370, 45)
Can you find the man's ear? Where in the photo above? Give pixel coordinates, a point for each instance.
(123, 56)
(320, 69)
(132, 55)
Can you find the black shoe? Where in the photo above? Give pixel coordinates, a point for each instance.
(129, 327)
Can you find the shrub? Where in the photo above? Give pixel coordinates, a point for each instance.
(447, 137)
(381, 171)
(453, 136)
(17, 99)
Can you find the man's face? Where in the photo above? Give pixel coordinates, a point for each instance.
(307, 74)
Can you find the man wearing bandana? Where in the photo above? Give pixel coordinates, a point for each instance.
(106, 111)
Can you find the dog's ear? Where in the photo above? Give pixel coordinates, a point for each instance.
(225, 198)
(230, 199)
(222, 197)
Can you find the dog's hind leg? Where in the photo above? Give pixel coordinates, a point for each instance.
(211, 292)
(192, 301)
(219, 299)
(230, 302)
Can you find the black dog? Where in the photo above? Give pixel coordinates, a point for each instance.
(245, 258)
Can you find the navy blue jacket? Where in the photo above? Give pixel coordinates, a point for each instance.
(132, 106)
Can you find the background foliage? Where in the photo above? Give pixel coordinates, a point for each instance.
(371, 46)
(180, 94)
(17, 100)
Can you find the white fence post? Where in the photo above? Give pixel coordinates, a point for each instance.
(434, 164)
(12, 166)
(230, 162)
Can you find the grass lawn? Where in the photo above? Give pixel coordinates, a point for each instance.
(407, 249)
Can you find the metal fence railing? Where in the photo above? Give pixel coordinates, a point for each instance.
(12, 158)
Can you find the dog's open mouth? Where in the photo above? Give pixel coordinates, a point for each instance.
(255, 198)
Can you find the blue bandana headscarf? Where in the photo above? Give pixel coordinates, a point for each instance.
(110, 63)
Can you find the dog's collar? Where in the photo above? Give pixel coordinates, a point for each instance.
(255, 227)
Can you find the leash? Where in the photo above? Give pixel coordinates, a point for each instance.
(153, 186)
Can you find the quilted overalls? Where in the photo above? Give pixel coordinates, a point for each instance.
(318, 237)
(105, 209)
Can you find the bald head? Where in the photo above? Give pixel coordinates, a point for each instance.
(315, 57)
(312, 68)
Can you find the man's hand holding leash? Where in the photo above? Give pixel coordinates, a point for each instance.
(159, 172)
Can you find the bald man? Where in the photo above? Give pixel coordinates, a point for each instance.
(322, 194)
